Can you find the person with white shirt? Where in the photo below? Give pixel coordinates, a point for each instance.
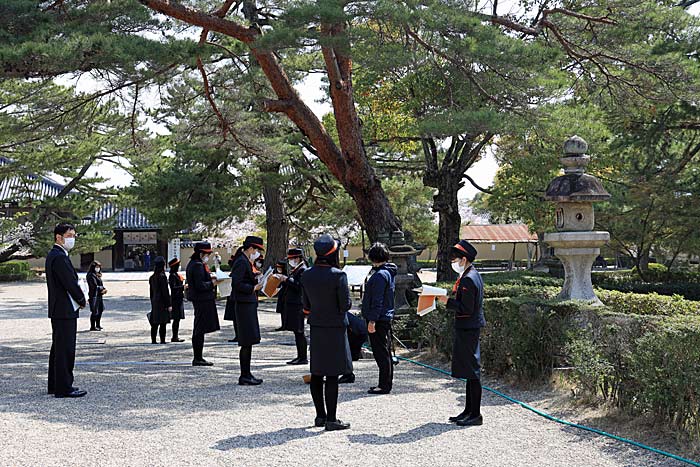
(65, 300)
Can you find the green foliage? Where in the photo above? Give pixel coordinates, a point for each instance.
(15, 271)
(655, 272)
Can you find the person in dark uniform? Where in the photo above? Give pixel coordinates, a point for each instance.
(245, 286)
(161, 306)
(230, 313)
(65, 299)
(378, 311)
(357, 336)
(326, 299)
(467, 305)
(293, 308)
(281, 271)
(177, 296)
(201, 291)
(96, 290)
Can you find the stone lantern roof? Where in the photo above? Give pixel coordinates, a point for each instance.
(575, 185)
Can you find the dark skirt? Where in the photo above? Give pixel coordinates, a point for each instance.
(206, 318)
(229, 314)
(466, 354)
(330, 351)
(178, 310)
(97, 305)
(247, 326)
(293, 318)
(159, 315)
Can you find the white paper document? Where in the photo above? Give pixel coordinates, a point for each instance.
(426, 298)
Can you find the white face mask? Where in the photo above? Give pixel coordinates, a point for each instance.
(205, 258)
(458, 268)
(255, 255)
(68, 243)
(98, 269)
(294, 262)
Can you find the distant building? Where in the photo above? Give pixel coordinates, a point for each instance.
(502, 242)
(133, 233)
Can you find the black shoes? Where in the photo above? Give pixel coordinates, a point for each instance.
(52, 392)
(73, 394)
(336, 426)
(98, 328)
(235, 339)
(249, 381)
(177, 339)
(462, 416)
(471, 421)
(320, 422)
(347, 379)
(376, 390)
(93, 329)
(201, 362)
(281, 328)
(298, 361)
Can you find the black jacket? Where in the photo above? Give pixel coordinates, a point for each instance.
(62, 280)
(160, 298)
(243, 281)
(326, 296)
(378, 299)
(292, 286)
(177, 290)
(95, 286)
(468, 302)
(200, 288)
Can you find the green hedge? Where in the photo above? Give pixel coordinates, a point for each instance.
(642, 364)
(684, 283)
(15, 271)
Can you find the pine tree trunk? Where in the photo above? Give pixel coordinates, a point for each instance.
(446, 205)
(275, 219)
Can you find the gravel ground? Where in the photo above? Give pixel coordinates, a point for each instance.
(147, 406)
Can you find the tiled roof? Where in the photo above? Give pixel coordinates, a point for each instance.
(498, 233)
(30, 187)
(125, 218)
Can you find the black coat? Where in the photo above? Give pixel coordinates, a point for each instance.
(200, 288)
(160, 299)
(293, 315)
(243, 281)
(95, 288)
(62, 280)
(177, 295)
(326, 298)
(468, 302)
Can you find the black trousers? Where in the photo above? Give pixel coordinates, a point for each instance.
(62, 355)
(380, 341)
(329, 388)
(155, 330)
(176, 328)
(301, 343)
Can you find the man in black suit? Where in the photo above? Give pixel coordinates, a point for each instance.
(65, 299)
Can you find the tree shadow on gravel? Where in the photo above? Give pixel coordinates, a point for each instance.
(258, 440)
(429, 430)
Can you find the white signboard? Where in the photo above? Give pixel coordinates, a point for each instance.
(173, 249)
(140, 238)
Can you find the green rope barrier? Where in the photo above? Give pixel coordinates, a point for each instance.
(558, 420)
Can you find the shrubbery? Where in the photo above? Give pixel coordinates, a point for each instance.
(640, 353)
(15, 271)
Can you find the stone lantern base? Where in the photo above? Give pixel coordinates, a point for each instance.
(577, 252)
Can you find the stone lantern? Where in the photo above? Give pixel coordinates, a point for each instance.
(575, 243)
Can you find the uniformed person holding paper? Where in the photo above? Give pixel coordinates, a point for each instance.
(466, 303)
(293, 309)
(245, 286)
